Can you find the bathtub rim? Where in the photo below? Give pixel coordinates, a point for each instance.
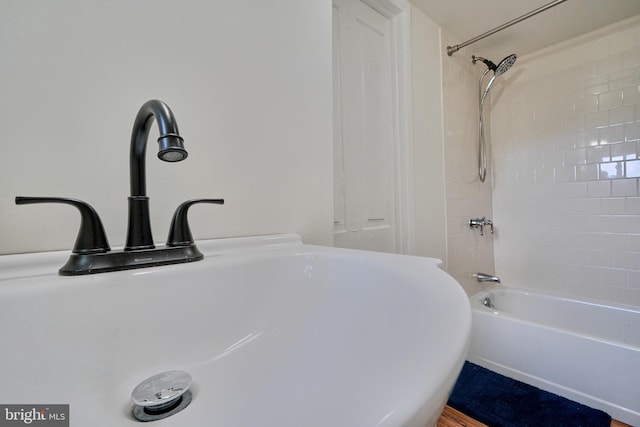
(476, 305)
(475, 298)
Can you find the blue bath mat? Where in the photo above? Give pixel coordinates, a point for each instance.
(499, 401)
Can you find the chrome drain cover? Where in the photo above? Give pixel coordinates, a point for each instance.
(161, 395)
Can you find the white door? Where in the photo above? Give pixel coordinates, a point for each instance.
(364, 129)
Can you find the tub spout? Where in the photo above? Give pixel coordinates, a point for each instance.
(483, 277)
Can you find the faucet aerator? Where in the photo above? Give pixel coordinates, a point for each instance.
(171, 148)
(173, 155)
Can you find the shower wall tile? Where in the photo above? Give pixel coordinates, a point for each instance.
(586, 172)
(633, 169)
(625, 188)
(466, 197)
(596, 86)
(596, 120)
(610, 99)
(611, 170)
(632, 130)
(586, 104)
(612, 134)
(632, 204)
(631, 97)
(613, 206)
(566, 195)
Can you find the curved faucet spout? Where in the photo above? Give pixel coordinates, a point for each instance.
(171, 149)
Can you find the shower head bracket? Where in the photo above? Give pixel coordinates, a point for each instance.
(487, 62)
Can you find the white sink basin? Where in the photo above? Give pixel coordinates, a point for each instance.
(273, 333)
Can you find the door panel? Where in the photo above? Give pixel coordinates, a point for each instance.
(364, 156)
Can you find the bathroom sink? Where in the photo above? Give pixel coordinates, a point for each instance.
(273, 333)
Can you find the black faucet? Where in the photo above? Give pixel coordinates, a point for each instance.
(171, 149)
(91, 252)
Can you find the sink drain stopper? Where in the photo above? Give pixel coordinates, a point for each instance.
(161, 396)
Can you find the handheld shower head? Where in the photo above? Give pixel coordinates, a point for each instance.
(502, 66)
(498, 70)
(505, 64)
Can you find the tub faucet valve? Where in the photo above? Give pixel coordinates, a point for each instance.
(481, 223)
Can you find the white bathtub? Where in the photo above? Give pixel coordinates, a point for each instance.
(585, 351)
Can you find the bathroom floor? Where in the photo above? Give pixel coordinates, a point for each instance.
(453, 418)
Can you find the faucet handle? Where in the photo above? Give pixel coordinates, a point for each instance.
(490, 224)
(479, 223)
(179, 233)
(91, 237)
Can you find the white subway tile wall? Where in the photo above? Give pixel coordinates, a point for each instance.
(565, 135)
(466, 197)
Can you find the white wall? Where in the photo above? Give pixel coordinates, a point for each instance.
(428, 149)
(566, 135)
(249, 83)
